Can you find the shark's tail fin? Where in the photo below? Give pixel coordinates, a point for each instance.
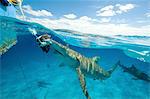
(114, 67)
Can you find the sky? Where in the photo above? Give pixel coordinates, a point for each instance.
(103, 17)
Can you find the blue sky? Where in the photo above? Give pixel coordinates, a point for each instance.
(132, 14)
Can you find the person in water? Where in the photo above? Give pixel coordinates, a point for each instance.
(44, 42)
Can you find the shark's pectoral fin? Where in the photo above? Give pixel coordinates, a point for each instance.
(82, 83)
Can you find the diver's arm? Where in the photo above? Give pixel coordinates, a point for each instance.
(40, 42)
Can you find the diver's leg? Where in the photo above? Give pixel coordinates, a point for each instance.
(82, 83)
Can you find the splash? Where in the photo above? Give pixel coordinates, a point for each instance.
(33, 31)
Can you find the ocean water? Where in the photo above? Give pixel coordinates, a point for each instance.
(29, 73)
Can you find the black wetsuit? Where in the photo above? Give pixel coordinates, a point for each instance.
(44, 48)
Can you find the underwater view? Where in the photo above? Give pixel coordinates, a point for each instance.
(61, 62)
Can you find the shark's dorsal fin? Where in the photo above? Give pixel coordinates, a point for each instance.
(96, 59)
(133, 67)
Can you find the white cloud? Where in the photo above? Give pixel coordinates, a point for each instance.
(88, 25)
(114, 10)
(106, 11)
(105, 20)
(85, 18)
(70, 16)
(29, 10)
(124, 8)
(147, 14)
(110, 7)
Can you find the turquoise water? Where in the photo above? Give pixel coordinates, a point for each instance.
(28, 73)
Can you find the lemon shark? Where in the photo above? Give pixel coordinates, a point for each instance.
(84, 66)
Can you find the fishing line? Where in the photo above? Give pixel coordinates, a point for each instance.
(32, 30)
(20, 7)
